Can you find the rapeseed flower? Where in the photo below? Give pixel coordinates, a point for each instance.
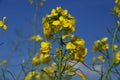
(59, 19)
(101, 45)
(45, 57)
(36, 60)
(45, 47)
(81, 75)
(70, 45)
(117, 58)
(115, 47)
(36, 38)
(3, 23)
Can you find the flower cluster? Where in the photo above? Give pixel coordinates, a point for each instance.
(77, 49)
(44, 54)
(60, 25)
(3, 23)
(117, 7)
(33, 75)
(101, 45)
(58, 20)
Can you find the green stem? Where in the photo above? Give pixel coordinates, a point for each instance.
(60, 59)
(113, 56)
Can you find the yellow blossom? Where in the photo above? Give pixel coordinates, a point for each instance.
(104, 39)
(58, 9)
(81, 75)
(56, 23)
(64, 12)
(105, 47)
(115, 47)
(117, 56)
(38, 77)
(100, 57)
(94, 59)
(45, 46)
(53, 64)
(50, 70)
(79, 42)
(116, 1)
(70, 45)
(47, 30)
(53, 12)
(36, 60)
(45, 58)
(61, 18)
(3, 23)
(36, 38)
(32, 74)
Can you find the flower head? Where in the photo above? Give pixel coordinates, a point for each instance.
(3, 23)
(45, 47)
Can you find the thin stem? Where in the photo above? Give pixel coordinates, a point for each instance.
(60, 58)
(111, 66)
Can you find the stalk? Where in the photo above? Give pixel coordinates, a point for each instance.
(113, 56)
(60, 58)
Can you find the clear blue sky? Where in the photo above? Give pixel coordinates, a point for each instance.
(92, 18)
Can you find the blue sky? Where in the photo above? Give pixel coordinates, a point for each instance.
(92, 18)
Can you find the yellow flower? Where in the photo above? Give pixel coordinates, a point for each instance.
(47, 30)
(56, 23)
(76, 57)
(81, 75)
(79, 42)
(61, 18)
(70, 45)
(3, 23)
(53, 65)
(45, 46)
(36, 60)
(118, 56)
(53, 12)
(32, 74)
(36, 38)
(58, 9)
(80, 54)
(64, 12)
(116, 1)
(94, 59)
(105, 47)
(105, 39)
(45, 58)
(115, 47)
(100, 57)
(50, 70)
(38, 77)
(27, 78)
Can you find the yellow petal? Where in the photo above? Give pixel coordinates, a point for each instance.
(4, 27)
(70, 46)
(1, 23)
(56, 22)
